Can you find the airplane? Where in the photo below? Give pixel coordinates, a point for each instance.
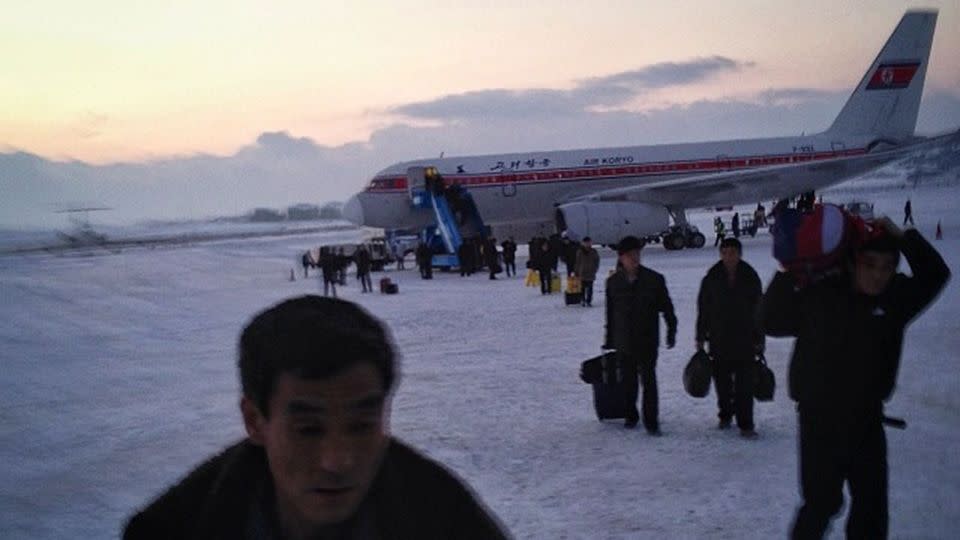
(608, 193)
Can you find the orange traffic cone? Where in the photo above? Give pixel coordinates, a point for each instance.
(939, 232)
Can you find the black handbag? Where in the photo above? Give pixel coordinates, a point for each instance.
(764, 382)
(697, 375)
(600, 369)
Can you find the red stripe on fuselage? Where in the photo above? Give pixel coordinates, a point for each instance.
(399, 183)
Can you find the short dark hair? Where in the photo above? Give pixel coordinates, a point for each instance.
(312, 337)
(881, 242)
(731, 242)
(586, 239)
(629, 243)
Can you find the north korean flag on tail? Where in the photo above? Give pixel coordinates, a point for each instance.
(890, 76)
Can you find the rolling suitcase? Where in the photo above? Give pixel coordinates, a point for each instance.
(603, 375)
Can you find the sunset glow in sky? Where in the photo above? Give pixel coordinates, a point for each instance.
(104, 81)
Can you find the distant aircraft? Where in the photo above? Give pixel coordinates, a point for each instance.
(607, 193)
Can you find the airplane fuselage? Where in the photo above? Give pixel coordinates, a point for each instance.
(511, 189)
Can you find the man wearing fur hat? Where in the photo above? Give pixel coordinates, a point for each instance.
(849, 328)
(636, 296)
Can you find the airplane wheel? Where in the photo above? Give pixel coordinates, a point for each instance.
(696, 240)
(674, 241)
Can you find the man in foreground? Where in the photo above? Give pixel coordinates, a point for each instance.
(849, 329)
(317, 376)
(636, 296)
(726, 319)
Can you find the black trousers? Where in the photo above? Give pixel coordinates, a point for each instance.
(645, 366)
(545, 281)
(510, 267)
(733, 380)
(365, 282)
(587, 288)
(834, 451)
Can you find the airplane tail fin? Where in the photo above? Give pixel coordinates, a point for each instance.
(886, 102)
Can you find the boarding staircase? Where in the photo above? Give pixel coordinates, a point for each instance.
(455, 214)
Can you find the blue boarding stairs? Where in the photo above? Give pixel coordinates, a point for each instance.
(455, 214)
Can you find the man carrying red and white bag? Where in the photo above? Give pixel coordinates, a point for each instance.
(841, 296)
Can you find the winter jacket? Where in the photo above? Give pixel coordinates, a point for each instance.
(509, 251)
(587, 265)
(362, 260)
(633, 310)
(412, 497)
(726, 314)
(848, 345)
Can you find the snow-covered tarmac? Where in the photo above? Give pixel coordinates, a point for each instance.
(118, 375)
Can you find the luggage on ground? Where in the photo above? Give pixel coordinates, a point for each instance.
(603, 374)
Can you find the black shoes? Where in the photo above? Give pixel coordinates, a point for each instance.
(725, 423)
(630, 423)
(749, 433)
(654, 432)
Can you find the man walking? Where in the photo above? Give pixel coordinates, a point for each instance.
(586, 267)
(726, 314)
(908, 213)
(510, 256)
(849, 329)
(636, 296)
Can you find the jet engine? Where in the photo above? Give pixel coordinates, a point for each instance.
(606, 222)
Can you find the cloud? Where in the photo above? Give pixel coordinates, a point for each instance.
(666, 74)
(613, 90)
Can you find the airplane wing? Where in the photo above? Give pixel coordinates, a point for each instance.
(762, 183)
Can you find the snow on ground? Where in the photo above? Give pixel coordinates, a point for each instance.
(118, 376)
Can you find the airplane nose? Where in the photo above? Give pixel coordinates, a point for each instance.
(353, 210)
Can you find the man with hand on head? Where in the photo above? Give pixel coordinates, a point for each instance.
(849, 335)
(636, 296)
(317, 376)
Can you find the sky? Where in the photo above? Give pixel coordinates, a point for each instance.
(190, 109)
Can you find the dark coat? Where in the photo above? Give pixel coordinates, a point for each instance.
(587, 264)
(362, 260)
(412, 497)
(848, 345)
(330, 265)
(633, 311)
(726, 315)
(509, 251)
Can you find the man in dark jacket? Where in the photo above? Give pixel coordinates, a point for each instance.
(636, 296)
(586, 267)
(545, 261)
(726, 319)
(362, 261)
(849, 329)
(509, 256)
(424, 258)
(318, 462)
